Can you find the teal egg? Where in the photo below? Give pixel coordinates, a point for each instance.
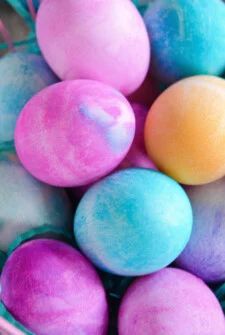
(133, 222)
(187, 38)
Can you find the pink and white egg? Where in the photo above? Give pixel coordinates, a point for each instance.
(74, 132)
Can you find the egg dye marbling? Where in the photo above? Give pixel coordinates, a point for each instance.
(187, 38)
(100, 40)
(170, 302)
(74, 132)
(22, 75)
(52, 289)
(133, 222)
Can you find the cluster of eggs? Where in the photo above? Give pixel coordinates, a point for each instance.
(122, 110)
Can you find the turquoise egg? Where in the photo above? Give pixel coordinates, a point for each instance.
(187, 38)
(133, 222)
(27, 204)
(22, 75)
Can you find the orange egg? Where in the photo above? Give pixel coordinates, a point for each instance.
(185, 130)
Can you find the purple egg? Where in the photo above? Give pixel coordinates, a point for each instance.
(204, 254)
(170, 302)
(74, 132)
(53, 290)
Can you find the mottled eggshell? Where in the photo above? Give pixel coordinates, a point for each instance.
(187, 38)
(100, 40)
(52, 289)
(26, 203)
(21, 76)
(184, 131)
(74, 132)
(133, 222)
(137, 156)
(204, 254)
(170, 302)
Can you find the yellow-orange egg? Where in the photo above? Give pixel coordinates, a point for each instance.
(185, 130)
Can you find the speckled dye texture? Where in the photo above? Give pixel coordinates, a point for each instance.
(137, 156)
(205, 252)
(21, 76)
(184, 131)
(133, 222)
(187, 38)
(26, 203)
(74, 132)
(170, 302)
(100, 40)
(52, 290)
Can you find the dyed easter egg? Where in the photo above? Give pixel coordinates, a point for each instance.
(184, 131)
(170, 302)
(26, 203)
(21, 76)
(133, 222)
(205, 252)
(137, 156)
(183, 38)
(100, 40)
(74, 132)
(52, 289)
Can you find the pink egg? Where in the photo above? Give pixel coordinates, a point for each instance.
(74, 132)
(51, 289)
(137, 156)
(170, 302)
(93, 39)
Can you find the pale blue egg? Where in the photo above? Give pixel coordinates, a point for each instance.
(133, 222)
(27, 204)
(187, 38)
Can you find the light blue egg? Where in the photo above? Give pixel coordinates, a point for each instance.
(187, 38)
(27, 204)
(133, 222)
(21, 76)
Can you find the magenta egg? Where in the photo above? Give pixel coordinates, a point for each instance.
(52, 289)
(74, 132)
(92, 39)
(170, 302)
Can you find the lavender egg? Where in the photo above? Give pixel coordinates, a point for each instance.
(204, 254)
(52, 289)
(26, 203)
(170, 302)
(22, 75)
